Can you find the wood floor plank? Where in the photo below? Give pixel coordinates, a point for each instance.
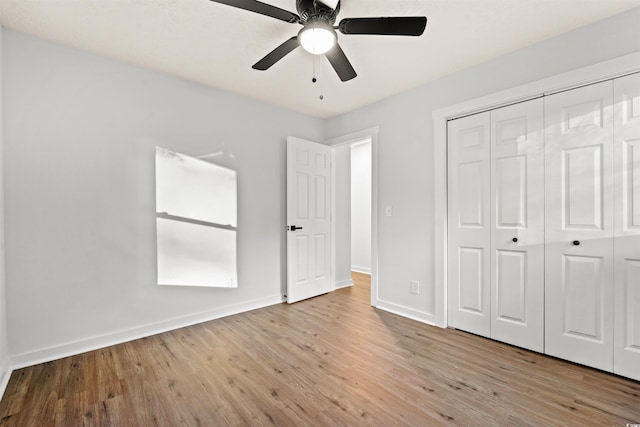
(329, 361)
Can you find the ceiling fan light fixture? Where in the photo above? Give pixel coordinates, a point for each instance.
(317, 39)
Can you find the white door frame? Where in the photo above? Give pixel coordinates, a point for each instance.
(590, 74)
(369, 133)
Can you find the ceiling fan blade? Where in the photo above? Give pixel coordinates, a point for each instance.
(395, 26)
(340, 63)
(263, 9)
(277, 54)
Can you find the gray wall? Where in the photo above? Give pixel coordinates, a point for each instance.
(406, 249)
(80, 132)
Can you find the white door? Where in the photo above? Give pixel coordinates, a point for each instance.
(517, 231)
(579, 225)
(469, 224)
(308, 219)
(626, 356)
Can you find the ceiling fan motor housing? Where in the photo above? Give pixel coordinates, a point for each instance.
(313, 11)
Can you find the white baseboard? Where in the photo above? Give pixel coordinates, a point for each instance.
(5, 375)
(72, 348)
(343, 284)
(407, 312)
(364, 270)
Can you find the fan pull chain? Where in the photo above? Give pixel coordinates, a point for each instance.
(314, 71)
(321, 85)
(314, 79)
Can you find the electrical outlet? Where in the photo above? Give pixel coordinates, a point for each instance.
(415, 287)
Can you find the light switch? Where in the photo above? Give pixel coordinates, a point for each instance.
(389, 210)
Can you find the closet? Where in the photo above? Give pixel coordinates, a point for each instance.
(544, 224)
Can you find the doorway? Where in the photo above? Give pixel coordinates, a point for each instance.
(355, 219)
(361, 206)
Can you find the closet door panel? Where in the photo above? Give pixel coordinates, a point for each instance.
(583, 285)
(517, 231)
(627, 226)
(469, 224)
(579, 225)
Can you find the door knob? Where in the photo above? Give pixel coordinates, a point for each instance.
(576, 243)
(515, 240)
(294, 228)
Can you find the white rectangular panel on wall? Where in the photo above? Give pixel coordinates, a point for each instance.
(196, 220)
(626, 357)
(192, 188)
(517, 229)
(195, 255)
(579, 225)
(469, 224)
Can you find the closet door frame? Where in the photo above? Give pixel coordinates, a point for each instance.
(610, 69)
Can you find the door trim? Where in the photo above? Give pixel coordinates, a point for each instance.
(371, 133)
(606, 70)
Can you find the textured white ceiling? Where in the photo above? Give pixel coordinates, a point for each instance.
(216, 45)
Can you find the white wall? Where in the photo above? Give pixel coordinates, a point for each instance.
(80, 132)
(361, 207)
(4, 352)
(406, 248)
(341, 157)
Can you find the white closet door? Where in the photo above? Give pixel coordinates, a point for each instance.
(579, 225)
(517, 233)
(469, 224)
(626, 357)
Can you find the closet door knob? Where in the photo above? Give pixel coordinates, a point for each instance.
(515, 240)
(576, 243)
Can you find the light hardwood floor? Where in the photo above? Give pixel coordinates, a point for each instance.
(330, 360)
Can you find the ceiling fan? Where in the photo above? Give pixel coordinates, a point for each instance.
(318, 34)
